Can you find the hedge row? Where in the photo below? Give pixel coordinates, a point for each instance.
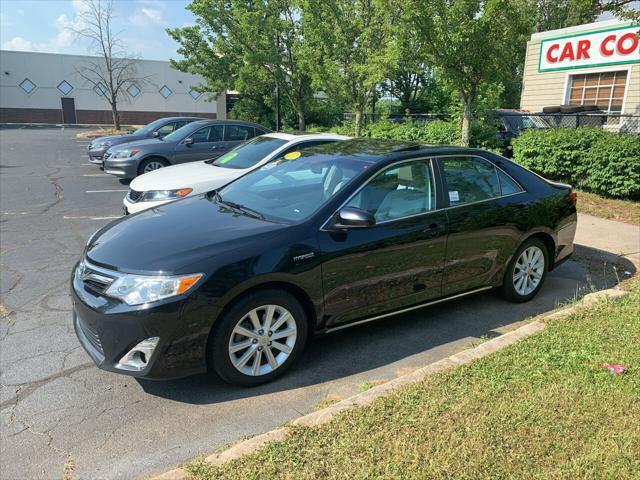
(437, 132)
(589, 158)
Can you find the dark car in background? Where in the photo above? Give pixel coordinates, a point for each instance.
(236, 280)
(156, 129)
(511, 123)
(199, 140)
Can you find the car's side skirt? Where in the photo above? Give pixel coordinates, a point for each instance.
(409, 309)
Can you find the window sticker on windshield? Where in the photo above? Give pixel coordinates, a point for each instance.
(292, 155)
(228, 157)
(453, 196)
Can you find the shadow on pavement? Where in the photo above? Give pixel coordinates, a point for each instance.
(431, 333)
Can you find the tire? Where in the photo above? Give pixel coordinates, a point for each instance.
(525, 286)
(228, 348)
(150, 164)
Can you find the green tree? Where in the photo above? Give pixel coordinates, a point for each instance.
(463, 39)
(554, 14)
(349, 46)
(245, 44)
(411, 80)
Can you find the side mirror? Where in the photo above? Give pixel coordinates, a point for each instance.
(188, 141)
(155, 134)
(350, 217)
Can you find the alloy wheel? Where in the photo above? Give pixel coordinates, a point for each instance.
(528, 270)
(152, 165)
(262, 340)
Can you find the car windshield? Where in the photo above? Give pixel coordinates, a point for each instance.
(249, 153)
(183, 132)
(150, 127)
(291, 189)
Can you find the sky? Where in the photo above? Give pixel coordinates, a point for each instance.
(43, 26)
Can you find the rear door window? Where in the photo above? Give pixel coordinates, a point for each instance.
(240, 133)
(470, 180)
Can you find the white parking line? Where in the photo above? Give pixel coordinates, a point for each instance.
(81, 217)
(105, 191)
(96, 175)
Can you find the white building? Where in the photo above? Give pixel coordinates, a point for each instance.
(46, 88)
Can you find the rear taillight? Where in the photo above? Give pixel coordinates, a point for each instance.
(574, 197)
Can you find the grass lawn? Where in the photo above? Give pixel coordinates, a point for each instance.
(103, 132)
(542, 408)
(627, 211)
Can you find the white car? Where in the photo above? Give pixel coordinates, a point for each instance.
(171, 183)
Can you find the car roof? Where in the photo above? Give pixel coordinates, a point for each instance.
(231, 122)
(291, 136)
(374, 151)
(182, 118)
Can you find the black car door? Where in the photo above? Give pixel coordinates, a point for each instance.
(395, 263)
(482, 214)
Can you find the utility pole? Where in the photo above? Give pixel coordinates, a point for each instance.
(277, 89)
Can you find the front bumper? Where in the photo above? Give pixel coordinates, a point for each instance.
(95, 155)
(124, 168)
(108, 329)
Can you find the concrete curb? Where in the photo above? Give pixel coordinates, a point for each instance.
(324, 415)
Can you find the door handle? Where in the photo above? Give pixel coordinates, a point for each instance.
(433, 230)
(215, 147)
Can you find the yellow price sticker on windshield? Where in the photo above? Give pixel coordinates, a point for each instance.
(292, 155)
(228, 157)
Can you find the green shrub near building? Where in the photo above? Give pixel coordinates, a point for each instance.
(436, 132)
(590, 158)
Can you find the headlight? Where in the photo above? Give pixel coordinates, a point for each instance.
(139, 289)
(101, 145)
(156, 195)
(125, 153)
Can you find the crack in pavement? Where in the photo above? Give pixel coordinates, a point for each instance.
(27, 390)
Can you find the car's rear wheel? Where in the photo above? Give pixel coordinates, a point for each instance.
(151, 164)
(258, 338)
(526, 272)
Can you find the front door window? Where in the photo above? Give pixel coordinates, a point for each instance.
(398, 192)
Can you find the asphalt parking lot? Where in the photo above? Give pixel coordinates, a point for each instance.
(57, 409)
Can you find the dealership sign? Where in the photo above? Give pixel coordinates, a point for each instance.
(606, 47)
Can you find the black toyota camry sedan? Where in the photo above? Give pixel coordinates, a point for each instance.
(238, 279)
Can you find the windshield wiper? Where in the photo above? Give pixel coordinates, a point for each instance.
(239, 207)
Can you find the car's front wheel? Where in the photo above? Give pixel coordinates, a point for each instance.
(258, 338)
(526, 272)
(151, 164)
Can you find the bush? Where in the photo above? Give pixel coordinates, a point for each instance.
(612, 167)
(555, 152)
(436, 132)
(591, 158)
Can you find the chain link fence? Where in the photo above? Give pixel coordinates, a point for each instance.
(515, 122)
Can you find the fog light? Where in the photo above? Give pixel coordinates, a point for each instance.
(138, 357)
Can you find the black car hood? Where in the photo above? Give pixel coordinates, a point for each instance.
(177, 237)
